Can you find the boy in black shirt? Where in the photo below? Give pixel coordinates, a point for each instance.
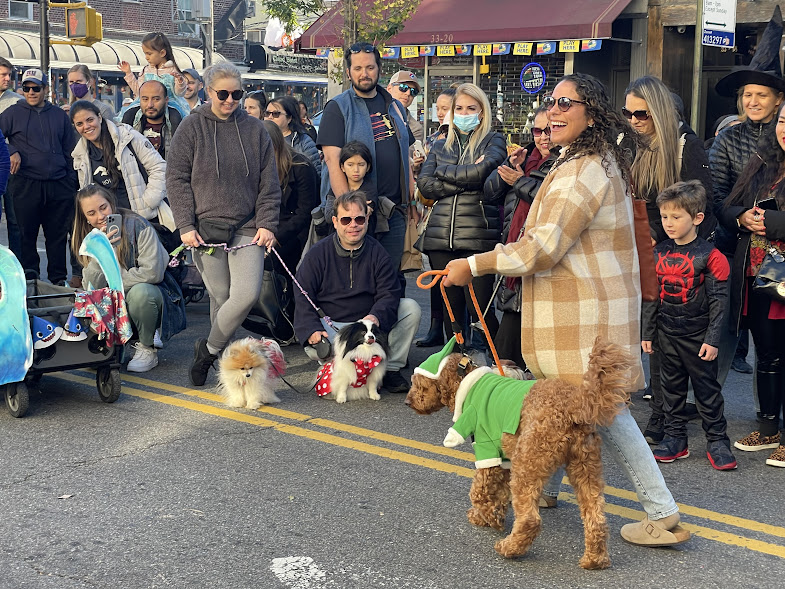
(686, 324)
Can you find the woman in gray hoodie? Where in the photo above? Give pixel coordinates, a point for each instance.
(221, 178)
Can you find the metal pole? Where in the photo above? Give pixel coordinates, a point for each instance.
(697, 68)
(43, 11)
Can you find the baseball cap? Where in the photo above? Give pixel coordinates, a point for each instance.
(404, 77)
(193, 73)
(34, 75)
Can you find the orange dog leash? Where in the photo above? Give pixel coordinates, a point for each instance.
(438, 276)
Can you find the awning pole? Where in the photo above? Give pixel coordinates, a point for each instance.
(697, 67)
(43, 12)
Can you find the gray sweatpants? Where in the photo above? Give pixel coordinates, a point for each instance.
(233, 281)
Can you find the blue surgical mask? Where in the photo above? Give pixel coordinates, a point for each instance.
(466, 123)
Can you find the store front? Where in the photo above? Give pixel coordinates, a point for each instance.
(445, 42)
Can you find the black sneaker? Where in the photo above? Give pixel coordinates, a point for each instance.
(394, 382)
(655, 430)
(720, 455)
(671, 449)
(740, 365)
(203, 360)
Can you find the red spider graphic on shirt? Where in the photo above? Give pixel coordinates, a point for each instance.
(677, 276)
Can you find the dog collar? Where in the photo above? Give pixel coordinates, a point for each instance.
(463, 366)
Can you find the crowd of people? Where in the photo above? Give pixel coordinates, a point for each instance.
(546, 229)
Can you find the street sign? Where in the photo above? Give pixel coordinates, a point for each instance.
(719, 23)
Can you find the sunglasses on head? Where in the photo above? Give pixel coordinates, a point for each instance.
(536, 131)
(224, 94)
(413, 90)
(360, 220)
(365, 47)
(564, 103)
(31, 88)
(641, 115)
(273, 113)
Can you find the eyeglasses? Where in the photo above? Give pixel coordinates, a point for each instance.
(273, 113)
(413, 90)
(641, 115)
(224, 94)
(564, 103)
(536, 131)
(35, 89)
(365, 47)
(360, 220)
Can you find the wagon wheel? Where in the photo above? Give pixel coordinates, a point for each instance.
(107, 381)
(17, 399)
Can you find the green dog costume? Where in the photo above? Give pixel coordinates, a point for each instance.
(486, 406)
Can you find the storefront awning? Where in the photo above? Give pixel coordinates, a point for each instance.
(22, 48)
(448, 22)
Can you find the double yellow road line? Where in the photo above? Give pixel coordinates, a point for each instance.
(271, 414)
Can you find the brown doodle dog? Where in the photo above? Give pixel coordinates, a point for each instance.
(557, 426)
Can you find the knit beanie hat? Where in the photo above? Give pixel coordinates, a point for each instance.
(432, 367)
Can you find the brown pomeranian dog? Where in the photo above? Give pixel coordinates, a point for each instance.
(247, 372)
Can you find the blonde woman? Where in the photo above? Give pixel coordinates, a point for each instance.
(675, 153)
(453, 176)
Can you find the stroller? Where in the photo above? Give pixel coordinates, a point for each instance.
(49, 305)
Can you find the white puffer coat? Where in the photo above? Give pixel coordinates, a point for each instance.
(147, 198)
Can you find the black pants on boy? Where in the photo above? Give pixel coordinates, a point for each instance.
(48, 204)
(679, 364)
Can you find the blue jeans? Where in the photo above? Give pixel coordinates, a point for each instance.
(392, 240)
(625, 442)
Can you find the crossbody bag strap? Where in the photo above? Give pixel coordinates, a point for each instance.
(250, 216)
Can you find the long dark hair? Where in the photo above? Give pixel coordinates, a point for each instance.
(603, 138)
(160, 42)
(757, 179)
(81, 227)
(292, 109)
(105, 141)
(283, 153)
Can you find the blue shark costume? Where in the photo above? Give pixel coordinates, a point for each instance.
(16, 342)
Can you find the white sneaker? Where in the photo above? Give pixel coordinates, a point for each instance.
(157, 343)
(144, 359)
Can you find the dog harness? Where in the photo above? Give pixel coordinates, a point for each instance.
(487, 406)
(362, 368)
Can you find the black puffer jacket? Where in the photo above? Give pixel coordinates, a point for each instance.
(460, 219)
(728, 155)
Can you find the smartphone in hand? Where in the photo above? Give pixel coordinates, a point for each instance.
(418, 149)
(114, 226)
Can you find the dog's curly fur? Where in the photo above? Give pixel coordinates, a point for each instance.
(558, 426)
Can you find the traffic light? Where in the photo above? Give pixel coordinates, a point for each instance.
(84, 23)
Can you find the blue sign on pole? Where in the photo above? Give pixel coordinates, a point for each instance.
(718, 38)
(532, 78)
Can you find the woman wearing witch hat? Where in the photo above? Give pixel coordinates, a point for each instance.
(760, 89)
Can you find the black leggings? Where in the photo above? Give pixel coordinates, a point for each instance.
(770, 370)
(459, 297)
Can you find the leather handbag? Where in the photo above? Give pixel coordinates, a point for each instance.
(649, 286)
(770, 279)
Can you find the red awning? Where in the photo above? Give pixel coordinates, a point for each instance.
(447, 22)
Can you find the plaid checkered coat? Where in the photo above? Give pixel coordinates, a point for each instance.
(580, 270)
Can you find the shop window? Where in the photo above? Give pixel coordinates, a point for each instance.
(20, 10)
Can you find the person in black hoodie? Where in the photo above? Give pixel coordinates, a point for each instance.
(461, 223)
(43, 182)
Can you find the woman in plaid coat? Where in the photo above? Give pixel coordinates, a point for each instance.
(580, 279)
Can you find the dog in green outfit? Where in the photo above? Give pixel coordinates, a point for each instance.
(523, 431)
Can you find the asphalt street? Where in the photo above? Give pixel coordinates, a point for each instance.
(167, 487)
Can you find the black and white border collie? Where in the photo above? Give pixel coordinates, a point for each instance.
(358, 365)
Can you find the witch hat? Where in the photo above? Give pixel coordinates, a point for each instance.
(765, 68)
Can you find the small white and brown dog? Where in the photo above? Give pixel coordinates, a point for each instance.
(248, 371)
(358, 365)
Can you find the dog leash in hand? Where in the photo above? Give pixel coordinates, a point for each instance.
(456, 328)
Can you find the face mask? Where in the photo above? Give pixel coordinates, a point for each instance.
(466, 123)
(80, 90)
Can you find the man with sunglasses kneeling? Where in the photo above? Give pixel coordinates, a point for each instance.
(351, 277)
(43, 181)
